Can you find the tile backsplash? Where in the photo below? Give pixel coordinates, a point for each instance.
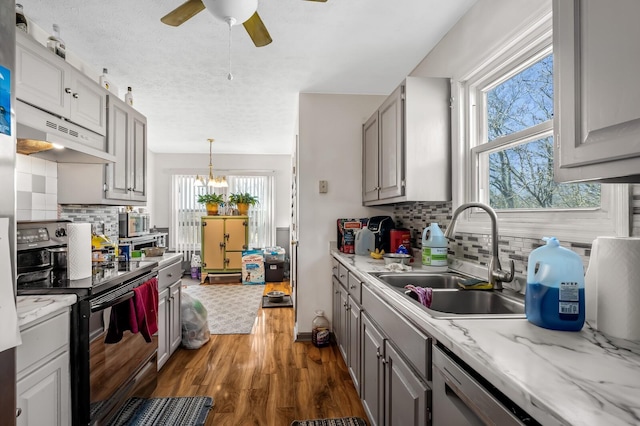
(36, 188)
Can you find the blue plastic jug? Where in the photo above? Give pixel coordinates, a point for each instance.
(554, 297)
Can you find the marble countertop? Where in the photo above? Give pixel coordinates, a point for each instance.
(166, 259)
(32, 308)
(559, 378)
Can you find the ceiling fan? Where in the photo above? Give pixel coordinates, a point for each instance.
(232, 12)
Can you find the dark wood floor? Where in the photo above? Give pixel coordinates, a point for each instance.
(263, 378)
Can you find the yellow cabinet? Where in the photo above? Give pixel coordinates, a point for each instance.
(223, 239)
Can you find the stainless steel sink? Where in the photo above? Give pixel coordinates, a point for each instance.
(477, 303)
(420, 279)
(449, 301)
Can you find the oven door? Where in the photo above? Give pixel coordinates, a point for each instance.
(119, 370)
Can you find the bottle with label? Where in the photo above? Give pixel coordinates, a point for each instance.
(320, 330)
(554, 297)
(128, 97)
(56, 44)
(434, 248)
(104, 79)
(21, 20)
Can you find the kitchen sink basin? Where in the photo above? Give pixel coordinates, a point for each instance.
(476, 304)
(420, 279)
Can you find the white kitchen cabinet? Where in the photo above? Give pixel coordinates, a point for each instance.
(42, 363)
(406, 152)
(597, 104)
(48, 82)
(123, 181)
(169, 325)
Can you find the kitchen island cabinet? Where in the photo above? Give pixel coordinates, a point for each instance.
(548, 374)
(406, 145)
(597, 105)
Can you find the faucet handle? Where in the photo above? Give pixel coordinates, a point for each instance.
(504, 276)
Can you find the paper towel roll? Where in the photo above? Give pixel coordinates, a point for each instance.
(79, 258)
(616, 273)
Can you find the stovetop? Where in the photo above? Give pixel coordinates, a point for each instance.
(103, 278)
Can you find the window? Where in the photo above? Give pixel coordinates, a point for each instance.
(186, 211)
(504, 128)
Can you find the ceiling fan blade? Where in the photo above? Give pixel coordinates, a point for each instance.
(183, 13)
(257, 31)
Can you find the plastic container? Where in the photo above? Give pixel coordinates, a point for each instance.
(273, 270)
(365, 242)
(320, 330)
(128, 97)
(56, 44)
(554, 297)
(275, 254)
(434, 248)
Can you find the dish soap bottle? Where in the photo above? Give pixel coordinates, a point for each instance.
(554, 297)
(434, 248)
(320, 330)
(55, 43)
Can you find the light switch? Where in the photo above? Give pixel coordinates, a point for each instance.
(324, 187)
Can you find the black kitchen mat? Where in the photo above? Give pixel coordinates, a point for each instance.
(286, 302)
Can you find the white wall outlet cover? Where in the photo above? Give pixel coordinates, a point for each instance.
(324, 186)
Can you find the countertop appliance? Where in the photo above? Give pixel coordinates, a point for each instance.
(381, 226)
(103, 375)
(133, 224)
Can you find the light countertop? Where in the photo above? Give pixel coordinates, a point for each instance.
(559, 378)
(32, 308)
(165, 260)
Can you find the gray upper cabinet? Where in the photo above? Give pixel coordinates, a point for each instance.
(406, 145)
(597, 105)
(48, 82)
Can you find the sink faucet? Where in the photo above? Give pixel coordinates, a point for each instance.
(496, 275)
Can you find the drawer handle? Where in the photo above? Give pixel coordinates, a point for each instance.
(169, 275)
(352, 286)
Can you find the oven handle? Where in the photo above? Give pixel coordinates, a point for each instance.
(112, 302)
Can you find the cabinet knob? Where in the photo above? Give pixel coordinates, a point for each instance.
(169, 275)
(384, 361)
(75, 96)
(67, 90)
(344, 304)
(18, 411)
(341, 275)
(378, 354)
(222, 245)
(226, 236)
(352, 286)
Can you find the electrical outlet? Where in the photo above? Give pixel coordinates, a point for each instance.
(324, 187)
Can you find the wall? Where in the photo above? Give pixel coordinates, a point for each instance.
(330, 148)
(164, 165)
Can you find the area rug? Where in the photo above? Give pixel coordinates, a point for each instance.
(286, 302)
(343, 421)
(183, 411)
(231, 308)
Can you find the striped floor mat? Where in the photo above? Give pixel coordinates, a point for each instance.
(344, 421)
(183, 411)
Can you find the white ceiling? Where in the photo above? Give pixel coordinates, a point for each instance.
(179, 74)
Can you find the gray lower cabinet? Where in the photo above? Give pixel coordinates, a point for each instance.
(42, 372)
(169, 326)
(372, 384)
(353, 352)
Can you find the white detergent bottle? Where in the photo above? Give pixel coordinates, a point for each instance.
(365, 242)
(434, 248)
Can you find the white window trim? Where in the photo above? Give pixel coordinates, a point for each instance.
(582, 226)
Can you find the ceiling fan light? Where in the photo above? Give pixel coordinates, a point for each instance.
(240, 10)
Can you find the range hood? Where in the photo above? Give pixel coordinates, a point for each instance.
(44, 135)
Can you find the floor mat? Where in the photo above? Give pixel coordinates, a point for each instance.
(343, 421)
(183, 411)
(286, 302)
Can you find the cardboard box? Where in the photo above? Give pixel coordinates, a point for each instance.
(347, 233)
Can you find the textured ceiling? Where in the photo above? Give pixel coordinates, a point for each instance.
(179, 74)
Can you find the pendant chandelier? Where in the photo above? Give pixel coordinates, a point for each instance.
(212, 181)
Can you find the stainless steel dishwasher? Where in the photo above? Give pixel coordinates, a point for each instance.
(460, 399)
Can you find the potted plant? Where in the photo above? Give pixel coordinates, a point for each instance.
(211, 201)
(242, 201)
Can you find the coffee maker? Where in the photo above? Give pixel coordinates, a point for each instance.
(381, 227)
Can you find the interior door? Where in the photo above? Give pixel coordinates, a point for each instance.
(293, 230)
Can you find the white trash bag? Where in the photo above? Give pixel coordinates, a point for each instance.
(195, 328)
